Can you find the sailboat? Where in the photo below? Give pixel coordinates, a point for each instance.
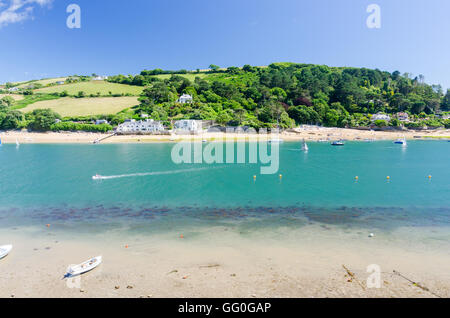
(305, 146)
(17, 143)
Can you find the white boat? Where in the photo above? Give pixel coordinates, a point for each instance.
(276, 141)
(84, 267)
(17, 143)
(5, 250)
(97, 177)
(305, 146)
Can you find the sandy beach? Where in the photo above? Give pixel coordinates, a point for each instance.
(220, 262)
(310, 134)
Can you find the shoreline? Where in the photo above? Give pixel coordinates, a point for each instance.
(311, 135)
(220, 263)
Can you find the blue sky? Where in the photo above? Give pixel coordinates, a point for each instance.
(128, 36)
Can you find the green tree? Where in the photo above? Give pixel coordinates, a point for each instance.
(7, 100)
(11, 120)
(42, 119)
(214, 68)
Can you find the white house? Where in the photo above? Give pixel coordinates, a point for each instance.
(101, 121)
(381, 117)
(142, 126)
(402, 116)
(13, 89)
(100, 78)
(59, 82)
(185, 98)
(188, 125)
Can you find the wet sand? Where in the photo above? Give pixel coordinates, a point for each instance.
(311, 134)
(222, 263)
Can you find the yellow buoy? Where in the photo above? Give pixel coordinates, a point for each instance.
(388, 177)
(356, 178)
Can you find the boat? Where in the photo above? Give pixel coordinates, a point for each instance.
(305, 146)
(276, 141)
(5, 250)
(84, 267)
(400, 141)
(97, 177)
(322, 140)
(338, 143)
(17, 143)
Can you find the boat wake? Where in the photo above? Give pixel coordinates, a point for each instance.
(144, 174)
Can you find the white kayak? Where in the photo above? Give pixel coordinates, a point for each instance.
(4, 250)
(84, 267)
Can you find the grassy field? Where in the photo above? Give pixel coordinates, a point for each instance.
(16, 97)
(93, 87)
(189, 76)
(85, 106)
(44, 82)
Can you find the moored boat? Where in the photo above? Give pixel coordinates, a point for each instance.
(5, 250)
(84, 267)
(338, 143)
(276, 141)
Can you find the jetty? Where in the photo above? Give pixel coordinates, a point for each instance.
(97, 141)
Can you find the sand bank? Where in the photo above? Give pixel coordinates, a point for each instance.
(222, 263)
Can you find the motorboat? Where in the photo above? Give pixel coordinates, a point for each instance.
(400, 141)
(338, 143)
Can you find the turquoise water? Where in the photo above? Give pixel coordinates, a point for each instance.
(54, 183)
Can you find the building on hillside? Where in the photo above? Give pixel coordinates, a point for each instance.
(188, 125)
(59, 82)
(403, 116)
(185, 98)
(13, 89)
(141, 126)
(381, 117)
(445, 117)
(100, 78)
(144, 116)
(101, 121)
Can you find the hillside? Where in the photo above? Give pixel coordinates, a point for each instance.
(281, 94)
(92, 87)
(286, 94)
(42, 82)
